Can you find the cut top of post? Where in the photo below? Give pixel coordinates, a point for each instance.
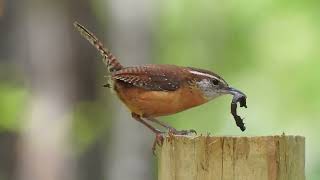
(232, 158)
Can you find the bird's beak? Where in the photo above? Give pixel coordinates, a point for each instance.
(233, 91)
(238, 96)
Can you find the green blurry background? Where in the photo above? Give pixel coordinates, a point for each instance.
(268, 49)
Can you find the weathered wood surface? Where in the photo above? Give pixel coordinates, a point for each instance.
(232, 158)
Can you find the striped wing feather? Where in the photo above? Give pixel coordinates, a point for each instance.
(151, 77)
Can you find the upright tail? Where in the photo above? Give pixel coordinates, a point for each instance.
(111, 61)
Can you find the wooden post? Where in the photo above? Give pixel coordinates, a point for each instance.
(232, 158)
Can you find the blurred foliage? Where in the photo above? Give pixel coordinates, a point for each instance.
(12, 103)
(89, 124)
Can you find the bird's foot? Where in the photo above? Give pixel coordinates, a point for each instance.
(173, 131)
(160, 136)
(157, 141)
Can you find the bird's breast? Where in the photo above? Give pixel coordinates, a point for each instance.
(157, 103)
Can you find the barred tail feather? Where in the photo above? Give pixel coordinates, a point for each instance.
(111, 61)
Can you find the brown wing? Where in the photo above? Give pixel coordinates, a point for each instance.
(152, 77)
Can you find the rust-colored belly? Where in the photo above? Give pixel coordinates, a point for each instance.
(157, 103)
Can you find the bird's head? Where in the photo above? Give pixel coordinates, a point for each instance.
(212, 85)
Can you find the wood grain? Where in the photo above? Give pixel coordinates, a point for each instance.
(232, 158)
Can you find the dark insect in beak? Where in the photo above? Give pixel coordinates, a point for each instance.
(240, 97)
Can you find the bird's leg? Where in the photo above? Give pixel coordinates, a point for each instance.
(138, 118)
(159, 134)
(171, 129)
(159, 122)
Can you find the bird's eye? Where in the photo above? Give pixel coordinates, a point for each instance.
(215, 81)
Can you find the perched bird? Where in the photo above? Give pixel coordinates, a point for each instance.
(154, 90)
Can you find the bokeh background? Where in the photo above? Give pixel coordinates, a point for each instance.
(58, 122)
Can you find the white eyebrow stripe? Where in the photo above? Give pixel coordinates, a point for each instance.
(203, 74)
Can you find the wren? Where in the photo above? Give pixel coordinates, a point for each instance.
(154, 90)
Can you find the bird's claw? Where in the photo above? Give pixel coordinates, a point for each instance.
(157, 141)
